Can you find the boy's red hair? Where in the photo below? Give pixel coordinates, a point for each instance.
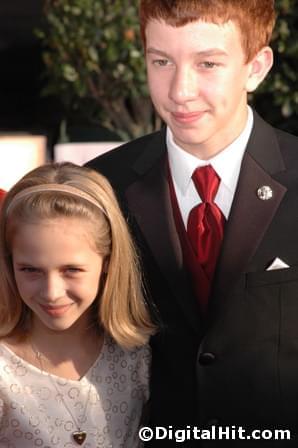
(255, 18)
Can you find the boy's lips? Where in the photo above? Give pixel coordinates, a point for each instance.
(187, 117)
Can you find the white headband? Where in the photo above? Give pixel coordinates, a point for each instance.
(55, 187)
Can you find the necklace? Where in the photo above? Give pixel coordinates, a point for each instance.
(79, 436)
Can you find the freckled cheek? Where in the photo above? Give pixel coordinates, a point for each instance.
(158, 84)
(161, 101)
(211, 89)
(215, 95)
(159, 88)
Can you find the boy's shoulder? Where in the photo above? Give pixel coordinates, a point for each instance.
(288, 144)
(130, 151)
(121, 164)
(267, 137)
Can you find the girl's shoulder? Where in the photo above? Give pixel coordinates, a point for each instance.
(122, 366)
(12, 358)
(12, 349)
(7, 351)
(136, 353)
(136, 360)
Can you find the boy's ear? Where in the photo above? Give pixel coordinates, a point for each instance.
(259, 66)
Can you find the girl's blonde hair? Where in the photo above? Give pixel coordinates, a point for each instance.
(120, 307)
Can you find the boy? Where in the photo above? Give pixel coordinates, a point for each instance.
(212, 202)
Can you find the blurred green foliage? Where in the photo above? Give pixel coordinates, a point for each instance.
(277, 98)
(94, 63)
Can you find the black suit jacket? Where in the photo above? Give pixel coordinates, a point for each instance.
(238, 366)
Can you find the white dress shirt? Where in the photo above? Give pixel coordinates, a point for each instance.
(227, 165)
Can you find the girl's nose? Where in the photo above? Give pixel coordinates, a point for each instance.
(53, 287)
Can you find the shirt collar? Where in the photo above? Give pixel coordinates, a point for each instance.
(227, 163)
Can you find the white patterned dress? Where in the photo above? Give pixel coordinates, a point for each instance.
(32, 415)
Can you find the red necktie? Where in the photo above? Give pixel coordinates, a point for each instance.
(206, 221)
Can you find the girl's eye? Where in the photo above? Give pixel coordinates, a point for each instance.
(30, 270)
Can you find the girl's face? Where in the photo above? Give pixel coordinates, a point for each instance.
(57, 270)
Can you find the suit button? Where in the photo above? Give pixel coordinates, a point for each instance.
(206, 359)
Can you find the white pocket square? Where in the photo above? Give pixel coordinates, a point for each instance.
(277, 263)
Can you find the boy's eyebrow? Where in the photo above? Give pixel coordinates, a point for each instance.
(212, 52)
(153, 50)
(203, 53)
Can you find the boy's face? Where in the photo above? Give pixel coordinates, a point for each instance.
(198, 82)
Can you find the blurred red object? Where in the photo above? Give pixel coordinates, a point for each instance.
(2, 194)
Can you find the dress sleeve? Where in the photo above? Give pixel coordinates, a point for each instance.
(144, 371)
(144, 383)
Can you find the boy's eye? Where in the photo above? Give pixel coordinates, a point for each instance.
(161, 62)
(208, 64)
(73, 270)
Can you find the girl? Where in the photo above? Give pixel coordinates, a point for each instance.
(73, 323)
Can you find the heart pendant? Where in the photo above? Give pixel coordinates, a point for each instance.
(79, 437)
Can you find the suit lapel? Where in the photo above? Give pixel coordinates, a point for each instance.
(250, 216)
(149, 201)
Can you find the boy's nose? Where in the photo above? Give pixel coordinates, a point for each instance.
(184, 86)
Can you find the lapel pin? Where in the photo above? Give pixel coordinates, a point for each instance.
(265, 193)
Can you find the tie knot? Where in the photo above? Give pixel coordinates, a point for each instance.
(206, 182)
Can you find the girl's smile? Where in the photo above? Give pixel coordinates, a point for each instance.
(57, 270)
